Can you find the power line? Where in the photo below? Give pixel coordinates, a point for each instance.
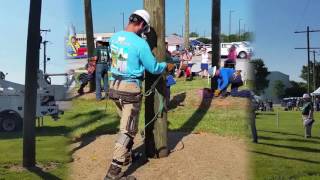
(308, 31)
(303, 13)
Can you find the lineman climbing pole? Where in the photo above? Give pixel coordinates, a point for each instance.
(186, 28)
(156, 133)
(31, 82)
(89, 34)
(215, 37)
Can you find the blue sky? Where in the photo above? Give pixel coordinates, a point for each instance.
(107, 14)
(275, 23)
(58, 14)
(13, 34)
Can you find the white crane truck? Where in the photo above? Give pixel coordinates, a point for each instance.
(12, 101)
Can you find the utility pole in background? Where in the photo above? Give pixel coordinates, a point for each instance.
(156, 133)
(186, 21)
(314, 71)
(122, 20)
(215, 37)
(31, 84)
(240, 28)
(45, 59)
(308, 31)
(230, 13)
(89, 35)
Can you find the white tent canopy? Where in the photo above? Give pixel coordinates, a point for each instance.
(316, 92)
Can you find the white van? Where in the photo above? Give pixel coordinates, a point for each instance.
(244, 49)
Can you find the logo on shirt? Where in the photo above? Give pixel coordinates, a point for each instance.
(119, 55)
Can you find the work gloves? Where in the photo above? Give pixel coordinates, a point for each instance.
(217, 93)
(170, 67)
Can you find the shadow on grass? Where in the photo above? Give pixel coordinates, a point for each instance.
(42, 174)
(189, 126)
(284, 157)
(177, 100)
(93, 116)
(265, 114)
(197, 116)
(297, 148)
(282, 133)
(289, 139)
(110, 128)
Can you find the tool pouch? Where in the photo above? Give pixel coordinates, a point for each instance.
(127, 97)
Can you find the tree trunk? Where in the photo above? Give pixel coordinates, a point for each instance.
(156, 133)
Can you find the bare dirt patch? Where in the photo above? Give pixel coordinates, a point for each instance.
(203, 156)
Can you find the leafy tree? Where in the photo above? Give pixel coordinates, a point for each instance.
(297, 89)
(194, 34)
(304, 74)
(175, 34)
(278, 89)
(204, 40)
(261, 72)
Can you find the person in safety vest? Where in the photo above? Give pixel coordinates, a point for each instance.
(131, 56)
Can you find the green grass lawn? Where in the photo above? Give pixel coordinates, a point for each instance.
(283, 152)
(89, 118)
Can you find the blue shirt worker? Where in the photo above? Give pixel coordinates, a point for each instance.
(224, 76)
(131, 56)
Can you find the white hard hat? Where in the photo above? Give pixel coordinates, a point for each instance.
(145, 16)
(99, 38)
(306, 96)
(212, 71)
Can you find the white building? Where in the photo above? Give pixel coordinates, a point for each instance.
(82, 39)
(273, 77)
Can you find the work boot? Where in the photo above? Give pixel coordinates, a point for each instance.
(114, 173)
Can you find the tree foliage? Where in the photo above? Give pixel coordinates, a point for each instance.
(204, 40)
(261, 72)
(194, 34)
(304, 74)
(297, 89)
(247, 36)
(278, 89)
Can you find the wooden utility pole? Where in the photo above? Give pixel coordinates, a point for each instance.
(31, 84)
(186, 24)
(156, 133)
(215, 38)
(308, 31)
(89, 34)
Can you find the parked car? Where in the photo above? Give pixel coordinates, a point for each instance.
(244, 49)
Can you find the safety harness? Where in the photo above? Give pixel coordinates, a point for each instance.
(128, 97)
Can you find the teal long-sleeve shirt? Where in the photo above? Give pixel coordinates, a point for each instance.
(131, 55)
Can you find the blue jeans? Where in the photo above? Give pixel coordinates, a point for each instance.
(101, 74)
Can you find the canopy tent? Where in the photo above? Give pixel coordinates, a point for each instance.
(316, 92)
(196, 43)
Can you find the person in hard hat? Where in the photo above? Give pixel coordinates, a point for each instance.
(224, 76)
(131, 56)
(102, 58)
(307, 115)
